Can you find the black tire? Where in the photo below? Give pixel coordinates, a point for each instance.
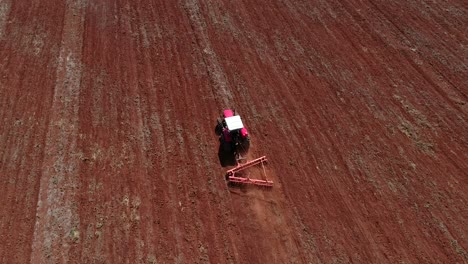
(227, 146)
(219, 127)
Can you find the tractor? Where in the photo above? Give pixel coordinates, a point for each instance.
(235, 142)
(233, 136)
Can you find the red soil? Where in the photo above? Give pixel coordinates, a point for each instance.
(108, 153)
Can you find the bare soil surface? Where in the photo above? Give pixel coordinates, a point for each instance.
(108, 153)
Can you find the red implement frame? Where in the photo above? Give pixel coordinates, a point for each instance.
(230, 174)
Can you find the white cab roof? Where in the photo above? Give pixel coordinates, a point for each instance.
(234, 123)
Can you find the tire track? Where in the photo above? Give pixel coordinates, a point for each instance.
(219, 81)
(57, 221)
(416, 67)
(25, 90)
(392, 77)
(4, 13)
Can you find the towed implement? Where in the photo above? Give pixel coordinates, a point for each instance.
(235, 142)
(232, 178)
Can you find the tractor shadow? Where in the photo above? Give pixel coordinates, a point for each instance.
(226, 158)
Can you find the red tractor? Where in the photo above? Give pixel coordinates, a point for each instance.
(233, 136)
(235, 142)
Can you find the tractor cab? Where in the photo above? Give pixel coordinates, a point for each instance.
(236, 128)
(234, 123)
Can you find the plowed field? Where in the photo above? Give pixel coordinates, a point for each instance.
(108, 152)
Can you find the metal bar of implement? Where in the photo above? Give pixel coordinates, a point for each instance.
(251, 181)
(246, 165)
